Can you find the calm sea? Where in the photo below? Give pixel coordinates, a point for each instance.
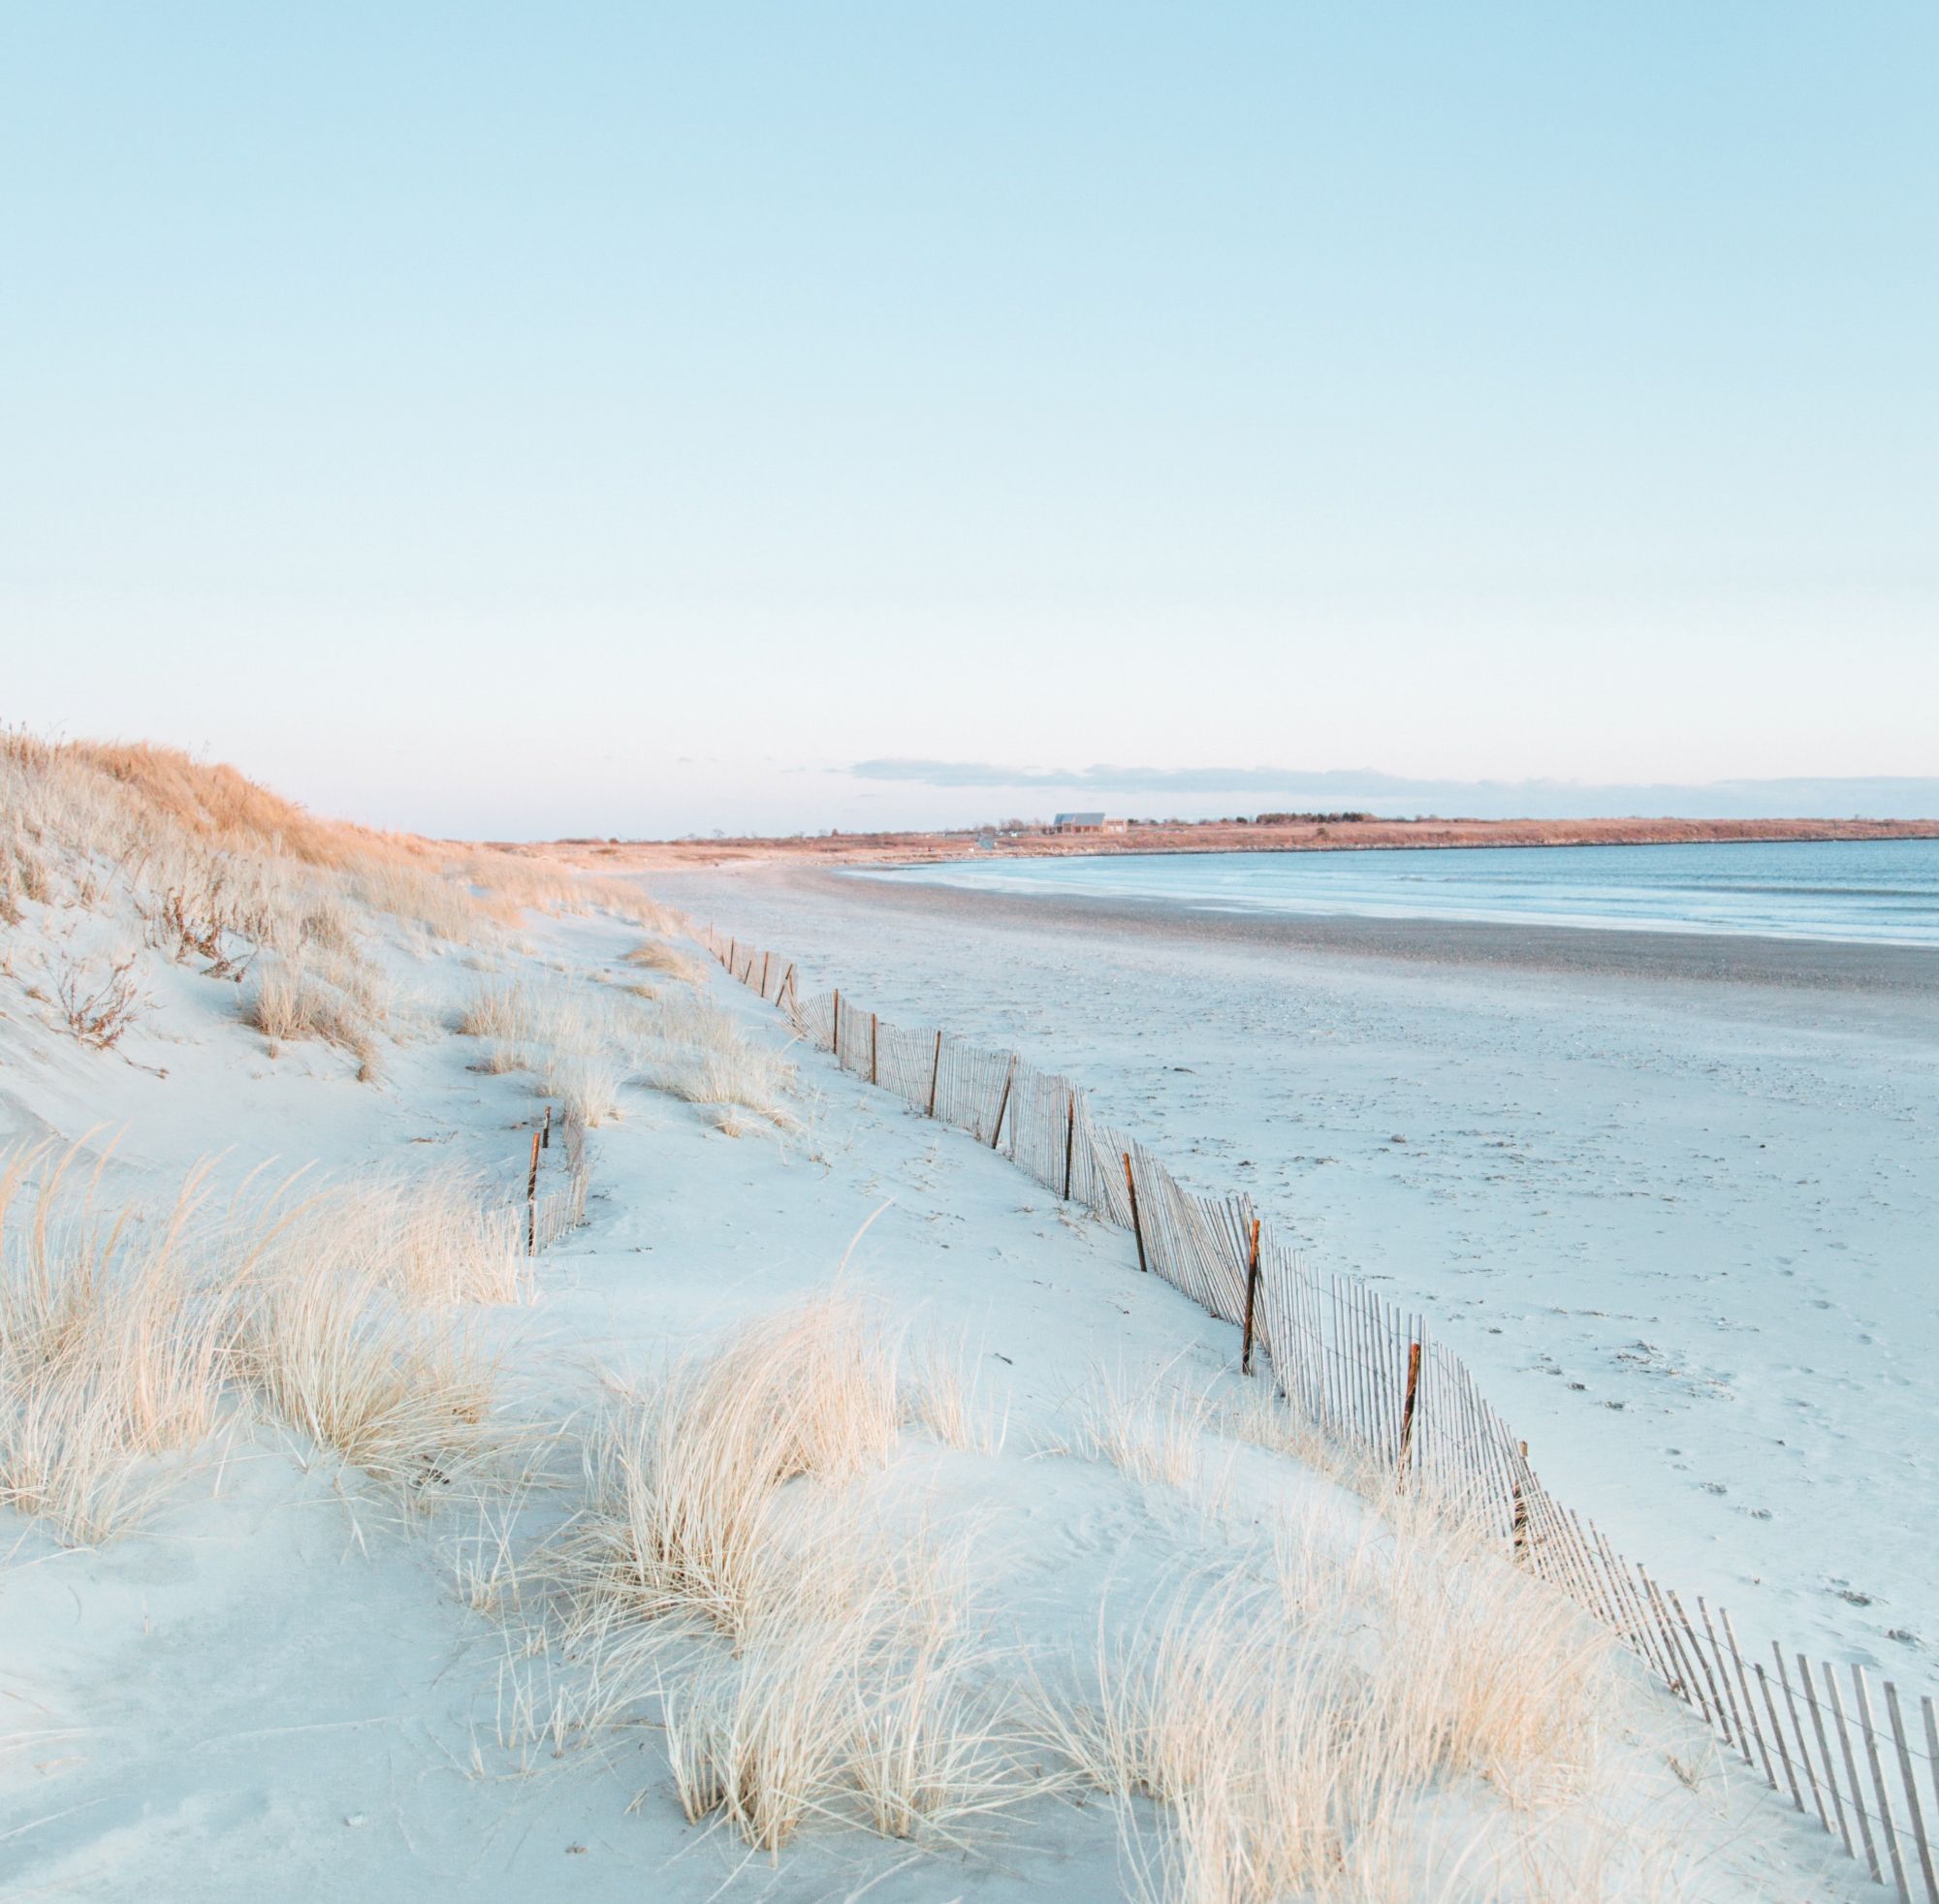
(1881, 892)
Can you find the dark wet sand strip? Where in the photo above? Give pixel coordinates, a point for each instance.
(1900, 970)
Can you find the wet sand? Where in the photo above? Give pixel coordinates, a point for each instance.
(1897, 970)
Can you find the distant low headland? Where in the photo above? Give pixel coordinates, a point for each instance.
(1268, 832)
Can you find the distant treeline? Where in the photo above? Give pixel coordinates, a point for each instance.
(1308, 819)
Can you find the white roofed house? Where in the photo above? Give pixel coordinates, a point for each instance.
(1086, 823)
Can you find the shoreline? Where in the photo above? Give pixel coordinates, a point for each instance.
(1582, 951)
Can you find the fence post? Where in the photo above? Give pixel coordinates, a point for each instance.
(545, 1135)
(1518, 1524)
(1406, 1407)
(1003, 1102)
(532, 1201)
(1138, 1228)
(765, 957)
(934, 1072)
(836, 1047)
(1070, 1142)
(1251, 1295)
(874, 1033)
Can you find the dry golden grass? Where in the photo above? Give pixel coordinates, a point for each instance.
(323, 997)
(113, 1339)
(807, 1657)
(583, 1043)
(880, 1708)
(124, 1340)
(940, 1397)
(433, 1240)
(585, 1085)
(408, 1398)
(576, 1043)
(351, 1327)
(219, 867)
(685, 1475)
(1153, 1429)
(656, 955)
(698, 1054)
(1292, 1728)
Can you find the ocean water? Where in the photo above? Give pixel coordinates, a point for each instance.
(1878, 892)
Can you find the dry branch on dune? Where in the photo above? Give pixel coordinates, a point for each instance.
(99, 999)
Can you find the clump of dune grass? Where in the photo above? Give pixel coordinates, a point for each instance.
(698, 1054)
(656, 955)
(1153, 1430)
(585, 1084)
(685, 1473)
(424, 895)
(1262, 1417)
(1291, 1727)
(113, 1338)
(325, 997)
(409, 1397)
(576, 1045)
(539, 1015)
(582, 1044)
(434, 1239)
(880, 1708)
(126, 1340)
(940, 1396)
(353, 1328)
(499, 1011)
(807, 1655)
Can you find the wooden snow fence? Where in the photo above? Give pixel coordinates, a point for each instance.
(1852, 1751)
(554, 1181)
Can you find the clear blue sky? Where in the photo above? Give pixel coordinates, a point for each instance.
(627, 418)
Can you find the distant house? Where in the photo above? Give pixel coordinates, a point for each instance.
(1086, 823)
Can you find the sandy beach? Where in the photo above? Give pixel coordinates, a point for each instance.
(484, 1405)
(1669, 1194)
